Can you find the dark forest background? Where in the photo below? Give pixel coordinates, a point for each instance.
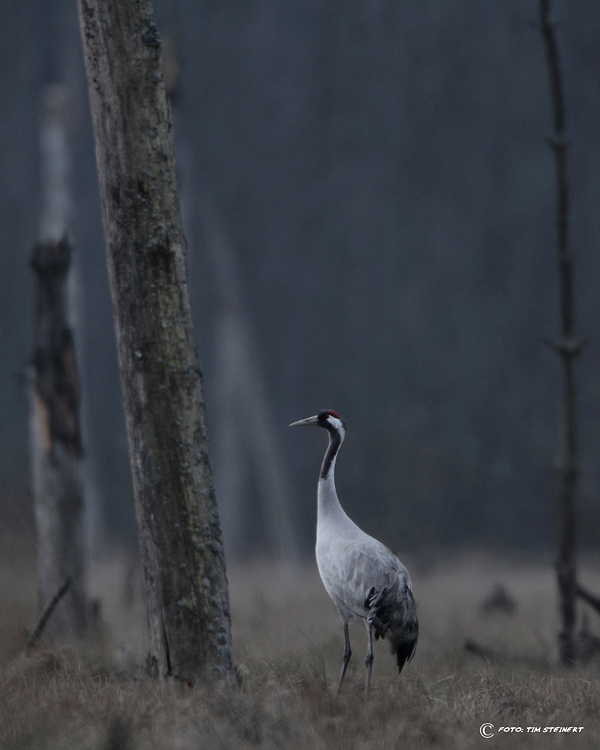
(380, 175)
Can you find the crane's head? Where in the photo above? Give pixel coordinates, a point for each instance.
(328, 419)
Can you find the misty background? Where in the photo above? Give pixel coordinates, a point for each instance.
(368, 197)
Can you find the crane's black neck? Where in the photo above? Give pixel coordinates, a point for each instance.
(335, 440)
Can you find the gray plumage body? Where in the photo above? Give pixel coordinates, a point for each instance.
(362, 576)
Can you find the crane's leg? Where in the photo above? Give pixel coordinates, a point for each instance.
(369, 659)
(347, 655)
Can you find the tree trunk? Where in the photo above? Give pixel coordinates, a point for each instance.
(180, 535)
(54, 394)
(569, 349)
(56, 446)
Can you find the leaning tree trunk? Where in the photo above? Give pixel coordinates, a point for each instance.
(55, 439)
(180, 535)
(568, 348)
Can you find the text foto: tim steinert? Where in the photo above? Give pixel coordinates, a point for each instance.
(488, 730)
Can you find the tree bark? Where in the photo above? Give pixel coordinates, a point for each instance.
(55, 440)
(569, 349)
(180, 535)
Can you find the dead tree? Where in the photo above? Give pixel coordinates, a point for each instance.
(568, 347)
(180, 535)
(56, 444)
(55, 439)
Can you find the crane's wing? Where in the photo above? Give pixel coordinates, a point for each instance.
(351, 567)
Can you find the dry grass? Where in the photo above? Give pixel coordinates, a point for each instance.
(288, 648)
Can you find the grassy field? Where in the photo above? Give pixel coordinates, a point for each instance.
(288, 647)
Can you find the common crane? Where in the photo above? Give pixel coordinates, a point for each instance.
(365, 580)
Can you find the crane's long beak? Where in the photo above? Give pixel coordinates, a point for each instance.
(310, 420)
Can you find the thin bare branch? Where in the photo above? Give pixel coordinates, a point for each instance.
(568, 348)
(37, 631)
(591, 599)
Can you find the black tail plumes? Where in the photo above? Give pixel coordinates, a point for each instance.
(393, 614)
(405, 645)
